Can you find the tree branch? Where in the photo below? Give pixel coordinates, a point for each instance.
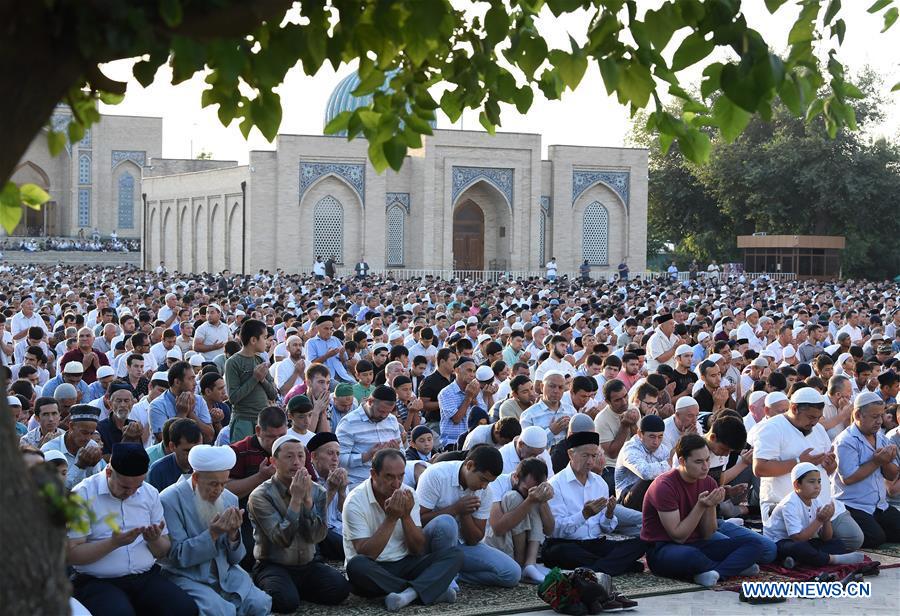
(98, 81)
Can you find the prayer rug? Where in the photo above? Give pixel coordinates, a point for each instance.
(888, 549)
(475, 601)
(776, 573)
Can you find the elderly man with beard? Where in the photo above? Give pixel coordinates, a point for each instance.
(367, 429)
(204, 524)
(325, 451)
(118, 428)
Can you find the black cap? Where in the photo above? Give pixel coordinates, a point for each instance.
(384, 393)
(577, 439)
(129, 459)
(322, 438)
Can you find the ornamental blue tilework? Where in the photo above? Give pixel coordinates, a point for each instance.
(618, 181)
(546, 205)
(84, 168)
(126, 201)
(396, 197)
(500, 178)
(135, 156)
(354, 173)
(84, 207)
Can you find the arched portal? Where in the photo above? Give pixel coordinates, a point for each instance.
(468, 237)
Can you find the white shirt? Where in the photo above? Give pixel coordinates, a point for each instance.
(511, 458)
(479, 435)
(140, 509)
(541, 415)
(552, 364)
(569, 497)
(439, 487)
(20, 322)
(75, 474)
(659, 344)
(671, 435)
(121, 363)
(212, 334)
(855, 333)
(745, 330)
(304, 438)
(363, 516)
(283, 372)
(778, 439)
(158, 352)
(140, 412)
(790, 516)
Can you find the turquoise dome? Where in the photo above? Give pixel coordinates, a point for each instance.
(342, 99)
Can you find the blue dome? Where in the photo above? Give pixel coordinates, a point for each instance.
(342, 99)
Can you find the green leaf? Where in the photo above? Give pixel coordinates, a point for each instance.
(611, 73)
(833, 7)
(451, 104)
(111, 98)
(665, 142)
(693, 49)
(376, 156)
(394, 152)
(635, 85)
(896, 87)
(10, 207)
(486, 123)
(145, 71)
(56, 141)
(338, 123)
(712, 81)
(170, 11)
(815, 108)
(76, 132)
(839, 29)
(33, 195)
(496, 23)
(774, 5)
(879, 4)
(523, 98)
(731, 119)
(695, 145)
(534, 52)
(890, 17)
(571, 66)
(372, 81)
(791, 95)
(660, 25)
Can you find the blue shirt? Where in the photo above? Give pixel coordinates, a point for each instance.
(56, 381)
(449, 400)
(164, 472)
(163, 408)
(316, 347)
(95, 390)
(853, 450)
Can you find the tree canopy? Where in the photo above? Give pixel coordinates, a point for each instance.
(787, 177)
(493, 52)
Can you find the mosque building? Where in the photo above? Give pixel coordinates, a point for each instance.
(465, 201)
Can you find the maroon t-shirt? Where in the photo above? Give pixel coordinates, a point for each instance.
(90, 374)
(669, 492)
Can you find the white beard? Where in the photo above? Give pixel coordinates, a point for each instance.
(206, 510)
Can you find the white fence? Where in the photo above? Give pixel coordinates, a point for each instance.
(497, 275)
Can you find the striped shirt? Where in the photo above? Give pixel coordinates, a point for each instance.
(635, 463)
(541, 415)
(357, 434)
(449, 400)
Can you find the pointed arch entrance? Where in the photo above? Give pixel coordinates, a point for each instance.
(468, 236)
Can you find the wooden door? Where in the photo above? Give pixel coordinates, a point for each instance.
(468, 237)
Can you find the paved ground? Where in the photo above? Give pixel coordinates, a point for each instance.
(885, 600)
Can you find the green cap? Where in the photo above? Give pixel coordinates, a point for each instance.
(299, 404)
(344, 389)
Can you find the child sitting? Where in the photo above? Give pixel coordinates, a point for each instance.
(802, 530)
(421, 445)
(365, 374)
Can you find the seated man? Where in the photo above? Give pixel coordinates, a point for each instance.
(680, 519)
(83, 455)
(204, 525)
(532, 443)
(865, 459)
(461, 490)
(288, 515)
(521, 517)
(642, 459)
(385, 546)
(117, 427)
(115, 570)
(184, 435)
(325, 452)
(584, 512)
(496, 434)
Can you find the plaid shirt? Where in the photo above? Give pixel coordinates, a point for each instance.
(449, 400)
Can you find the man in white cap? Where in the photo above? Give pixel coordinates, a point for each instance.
(72, 374)
(204, 524)
(683, 421)
(865, 460)
(550, 413)
(838, 405)
(756, 409)
(289, 519)
(97, 389)
(793, 437)
(751, 331)
(532, 443)
(140, 412)
(782, 343)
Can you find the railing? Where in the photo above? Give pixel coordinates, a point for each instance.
(509, 275)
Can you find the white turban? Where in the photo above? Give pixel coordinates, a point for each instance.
(211, 458)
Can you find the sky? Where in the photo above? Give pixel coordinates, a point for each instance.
(586, 116)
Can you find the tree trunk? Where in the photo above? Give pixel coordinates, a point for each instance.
(33, 565)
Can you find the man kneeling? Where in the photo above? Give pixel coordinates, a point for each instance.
(521, 516)
(680, 519)
(205, 530)
(385, 545)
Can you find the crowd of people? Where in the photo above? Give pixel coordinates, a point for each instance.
(245, 443)
(63, 244)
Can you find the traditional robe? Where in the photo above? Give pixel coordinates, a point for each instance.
(208, 571)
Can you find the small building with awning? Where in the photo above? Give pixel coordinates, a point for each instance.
(807, 256)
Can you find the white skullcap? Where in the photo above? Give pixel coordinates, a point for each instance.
(750, 312)
(293, 337)
(73, 367)
(484, 373)
(756, 396)
(459, 324)
(55, 454)
(196, 360)
(211, 458)
(684, 349)
(865, 398)
(735, 355)
(473, 320)
(13, 401)
(105, 371)
(174, 353)
(554, 373)
(715, 357)
(506, 331)
(759, 362)
(807, 395)
(160, 376)
(281, 440)
(535, 437)
(702, 336)
(788, 352)
(483, 338)
(215, 307)
(774, 398)
(801, 469)
(685, 402)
